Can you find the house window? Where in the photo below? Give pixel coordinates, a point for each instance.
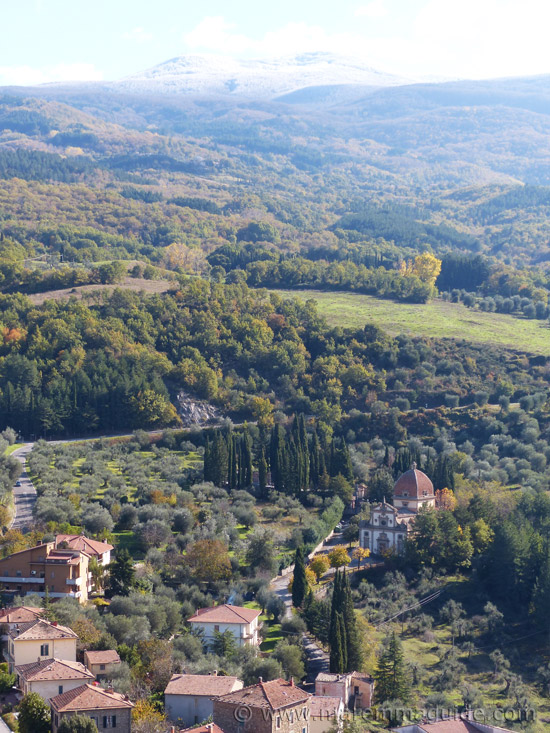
(53, 574)
(6, 574)
(56, 717)
(383, 522)
(278, 722)
(109, 721)
(291, 716)
(44, 650)
(216, 627)
(18, 573)
(60, 690)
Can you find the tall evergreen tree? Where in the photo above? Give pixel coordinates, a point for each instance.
(390, 674)
(336, 644)
(299, 583)
(262, 472)
(354, 649)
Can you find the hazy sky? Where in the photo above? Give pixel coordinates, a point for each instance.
(50, 40)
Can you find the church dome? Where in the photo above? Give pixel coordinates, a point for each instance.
(413, 484)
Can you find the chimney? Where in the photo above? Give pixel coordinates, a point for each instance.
(260, 680)
(54, 623)
(292, 681)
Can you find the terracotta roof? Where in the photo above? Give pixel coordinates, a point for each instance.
(80, 542)
(108, 656)
(452, 725)
(89, 697)
(324, 708)
(19, 614)
(225, 614)
(274, 695)
(208, 728)
(413, 484)
(330, 677)
(209, 685)
(41, 629)
(53, 669)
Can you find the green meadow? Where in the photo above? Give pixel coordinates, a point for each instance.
(439, 319)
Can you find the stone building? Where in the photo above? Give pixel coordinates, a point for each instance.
(267, 707)
(388, 526)
(106, 708)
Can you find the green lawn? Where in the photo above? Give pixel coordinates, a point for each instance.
(11, 448)
(438, 318)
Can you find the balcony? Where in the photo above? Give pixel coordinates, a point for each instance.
(15, 580)
(74, 581)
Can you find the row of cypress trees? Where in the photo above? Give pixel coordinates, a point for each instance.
(228, 459)
(298, 460)
(344, 639)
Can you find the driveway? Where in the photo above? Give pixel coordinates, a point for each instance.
(24, 496)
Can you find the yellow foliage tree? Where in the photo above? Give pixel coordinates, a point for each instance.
(319, 566)
(360, 554)
(339, 557)
(426, 268)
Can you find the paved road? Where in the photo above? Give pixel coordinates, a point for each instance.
(24, 495)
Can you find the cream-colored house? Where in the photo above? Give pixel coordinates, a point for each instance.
(39, 640)
(102, 663)
(242, 622)
(52, 677)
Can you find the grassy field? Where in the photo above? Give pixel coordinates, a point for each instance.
(129, 283)
(438, 318)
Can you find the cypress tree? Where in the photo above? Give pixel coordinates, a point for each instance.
(354, 651)
(262, 472)
(299, 583)
(336, 644)
(247, 458)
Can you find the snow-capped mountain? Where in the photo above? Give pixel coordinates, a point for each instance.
(257, 78)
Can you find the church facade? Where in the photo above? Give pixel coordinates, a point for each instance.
(388, 526)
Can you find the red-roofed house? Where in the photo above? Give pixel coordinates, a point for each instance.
(188, 697)
(242, 622)
(451, 725)
(106, 708)
(102, 663)
(52, 677)
(94, 548)
(208, 728)
(39, 640)
(63, 571)
(325, 714)
(267, 707)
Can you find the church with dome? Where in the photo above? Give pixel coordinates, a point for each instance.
(389, 524)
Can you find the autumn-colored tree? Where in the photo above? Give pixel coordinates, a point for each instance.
(445, 499)
(319, 566)
(339, 557)
(209, 560)
(146, 718)
(426, 268)
(360, 554)
(88, 634)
